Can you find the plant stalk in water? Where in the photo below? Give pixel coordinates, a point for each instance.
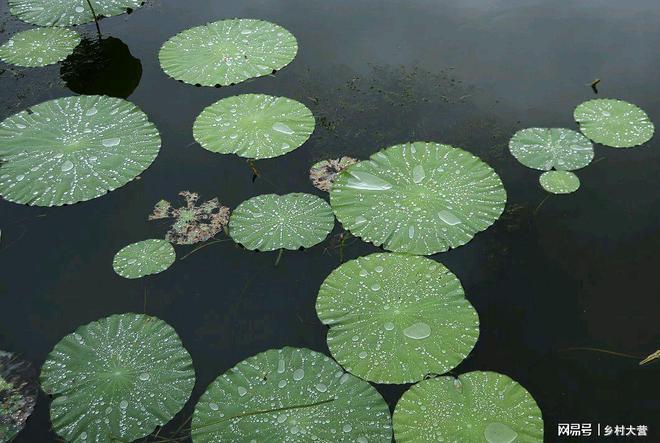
(96, 19)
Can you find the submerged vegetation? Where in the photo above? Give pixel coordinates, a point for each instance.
(18, 394)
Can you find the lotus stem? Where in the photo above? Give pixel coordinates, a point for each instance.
(279, 257)
(203, 246)
(96, 19)
(604, 351)
(253, 168)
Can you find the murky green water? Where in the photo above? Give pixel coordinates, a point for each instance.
(575, 271)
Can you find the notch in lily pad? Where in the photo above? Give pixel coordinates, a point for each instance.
(418, 198)
(396, 318)
(227, 52)
(143, 258)
(294, 395)
(614, 123)
(117, 379)
(18, 394)
(478, 406)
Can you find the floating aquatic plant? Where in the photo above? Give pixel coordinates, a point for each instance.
(39, 47)
(74, 149)
(614, 123)
(227, 52)
(475, 407)
(559, 182)
(395, 318)
(192, 223)
(144, 258)
(269, 222)
(68, 12)
(254, 126)
(117, 379)
(292, 395)
(548, 148)
(18, 394)
(323, 173)
(419, 198)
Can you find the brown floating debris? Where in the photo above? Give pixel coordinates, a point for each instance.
(323, 173)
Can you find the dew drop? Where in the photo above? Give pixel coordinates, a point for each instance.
(242, 391)
(20, 177)
(298, 374)
(67, 166)
(362, 354)
(417, 331)
(411, 231)
(123, 404)
(214, 406)
(281, 127)
(375, 287)
(347, 428)
(367, 182)
(281, 365)
(80, 9)
(321, 387)
(110, 142)
(499, 433)
(418, 174)
(449, 218)
(282, 383)
(91, 111)
(144, 376)
(389, 326)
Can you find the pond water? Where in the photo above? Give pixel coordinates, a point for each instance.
(550, 275)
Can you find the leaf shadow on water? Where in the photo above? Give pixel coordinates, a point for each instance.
(102, 67)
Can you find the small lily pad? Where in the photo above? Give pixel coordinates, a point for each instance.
(269, 222)
(192, 223)
(290, 395)
(475, 407)
(74, 149)
(323, 173)
(68, 12)
(614, 123)
(548, 148)
(227, 52)
(18, 394)
(254, 126)
(144, 258)
(559, 182)
(419, 198)
(117, 379)
(39, 47)
(395, 318)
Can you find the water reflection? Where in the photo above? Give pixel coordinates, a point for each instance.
(102, 66)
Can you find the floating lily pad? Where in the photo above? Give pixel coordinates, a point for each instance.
(475, 407)
(269, 222)
(68, 12)
(254, 126)
(18, 394)
(39, 47)
(74, 149)
(420, 198)
(227, 52)
(324, 173)
(117, 379)
(290, 395)
(559, 182)
(192, 223)
(614, 123)
(144, 258)
(548, 148)
(395, 318)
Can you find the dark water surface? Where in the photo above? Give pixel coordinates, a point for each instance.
(578, 271)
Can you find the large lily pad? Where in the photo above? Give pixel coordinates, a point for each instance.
(74, 149)
(290, 395)
(117, 379)
(396, 318)
(269, 222)
(68, 12)
(254, 126)
(227, 52)
(18, 394)
(559, 182)
(39, 47)
(475, 407)
(614, 123)
(144, 258)
(548, 148)
(419, 198)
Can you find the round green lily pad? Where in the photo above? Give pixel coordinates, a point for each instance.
(254, 126)
(395, 318)
(614, 123)
(269, 222)
(548, 148)
(18, 394)
(290, 395)
(68, 12)
(144, 258)
(74, 149)
(475, 407)
(117, 379)
(559, 182)
(227, 52)
(420, 198)
(39, 47)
